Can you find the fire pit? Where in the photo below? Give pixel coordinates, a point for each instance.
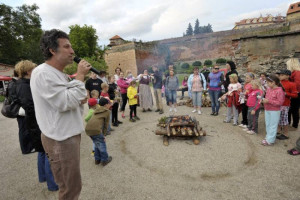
(179, 126)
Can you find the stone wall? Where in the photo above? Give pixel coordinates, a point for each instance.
(257, 49)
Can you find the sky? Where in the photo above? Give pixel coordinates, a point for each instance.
(149, 20)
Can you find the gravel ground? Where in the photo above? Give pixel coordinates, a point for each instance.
(227, 164)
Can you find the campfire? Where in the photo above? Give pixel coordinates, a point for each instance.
(179, 126)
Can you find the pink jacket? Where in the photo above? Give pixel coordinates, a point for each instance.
(123, 85)
(253, 101)
(276, 98)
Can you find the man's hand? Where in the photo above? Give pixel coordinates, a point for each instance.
(82, 69)
(253, 112)
(135, 96)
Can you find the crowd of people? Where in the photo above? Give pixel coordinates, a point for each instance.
(50, 99)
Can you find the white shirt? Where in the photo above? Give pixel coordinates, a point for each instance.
(57, 102)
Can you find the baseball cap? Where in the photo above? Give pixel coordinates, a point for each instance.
(92, 101)
(286, 72)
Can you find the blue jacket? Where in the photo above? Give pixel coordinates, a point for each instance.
(190, 82)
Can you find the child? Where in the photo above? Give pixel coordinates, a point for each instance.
(253, 105)
(263, 82)
(96, 128)
(272, 102)
(247, 90)
(132, 96)
(93, 103)
(104, 94)
(184, 86)
(112, 90)
(234, 89)
(290, 92)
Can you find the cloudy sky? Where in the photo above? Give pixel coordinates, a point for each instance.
(149, 19)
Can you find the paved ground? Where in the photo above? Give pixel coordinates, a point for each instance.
(227, 164)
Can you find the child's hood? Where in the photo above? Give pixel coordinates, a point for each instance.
(100, 109)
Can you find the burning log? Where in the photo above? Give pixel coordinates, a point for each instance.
(173, 131)
(182, 131)
(190, 132)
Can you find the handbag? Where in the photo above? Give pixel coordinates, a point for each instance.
(10, 109)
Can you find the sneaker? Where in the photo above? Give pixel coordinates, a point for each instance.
(251, 132)
(115, 124)
(199, 112)
(161, 112)
(213, 113)
(157, 110)
(194, 111)
(216, 114)
(243, 126)
(246, 129)
(235, 124)
(132, 120)
(97, 162)
(175, 110)
(108, 161)
(136, 118)
(119, 122)
(282, 137)
(149, 109)
(225, 121)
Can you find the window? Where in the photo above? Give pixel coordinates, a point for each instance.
(292, 7)
(299, 5)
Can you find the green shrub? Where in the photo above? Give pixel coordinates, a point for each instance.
(185, 66)
(208, 62)
(197, 63)
(221, 61)
(2, 98)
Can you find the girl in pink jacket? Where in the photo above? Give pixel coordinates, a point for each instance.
(253, 104)
(272, 102)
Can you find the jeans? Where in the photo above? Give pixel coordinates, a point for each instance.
(272, 120)
(132, 110)
(100, 147)
(197, 98)
(253, 120)
(44, 171)
(184, 90)
(109, 124)
(235, 112)
(167, 95)
(214, 96)
(158, 99)
(245, 114)
(124, 101)
(64, 158)
(172, 96)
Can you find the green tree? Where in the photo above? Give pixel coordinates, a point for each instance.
(197, 63)
(20, 32)
(189, 30)
(99, 64)
(185, 66)
(208, 62)
(83, 40)
(197, 27)
(221, 61)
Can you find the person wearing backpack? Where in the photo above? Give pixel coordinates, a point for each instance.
(196, 85)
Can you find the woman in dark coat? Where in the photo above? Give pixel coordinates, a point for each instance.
(24, 96)
(231, 70)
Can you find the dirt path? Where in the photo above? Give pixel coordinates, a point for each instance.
(227, 164)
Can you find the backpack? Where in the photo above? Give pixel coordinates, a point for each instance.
(11, 104)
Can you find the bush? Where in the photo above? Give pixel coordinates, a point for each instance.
(185, 66)
(2, 98)
(197, 63)
(208, 62)
(221, 61)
